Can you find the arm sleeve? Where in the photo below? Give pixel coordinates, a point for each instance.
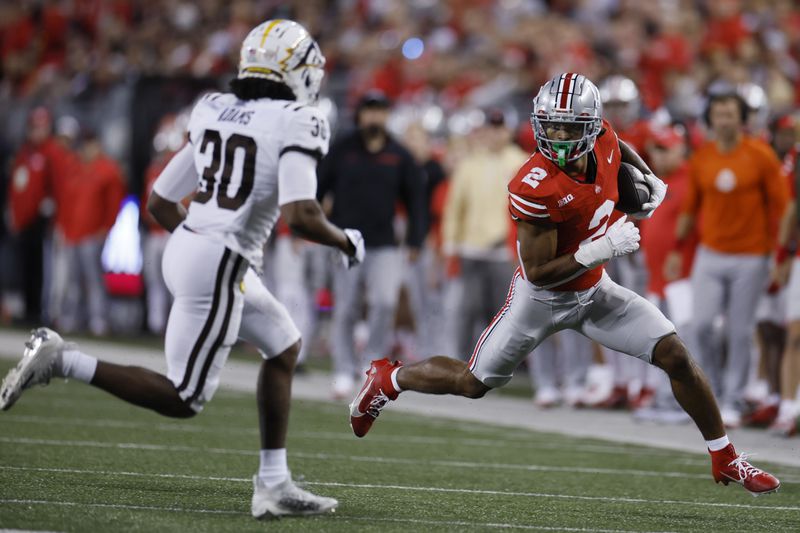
(297, 178)
(306, 132)
(179, 177)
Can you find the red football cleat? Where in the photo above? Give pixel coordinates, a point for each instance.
(727, 466)
(374, 395)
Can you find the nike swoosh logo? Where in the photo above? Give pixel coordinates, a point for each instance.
(610, 156)
(354, 411)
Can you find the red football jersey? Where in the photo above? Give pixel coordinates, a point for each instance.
(581, 211)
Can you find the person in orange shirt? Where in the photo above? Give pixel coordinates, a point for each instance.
(736, 188)
(96, 192)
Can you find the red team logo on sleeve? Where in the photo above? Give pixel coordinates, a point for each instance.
(541, 192)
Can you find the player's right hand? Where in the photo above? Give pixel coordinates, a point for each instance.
(357, 253)
(623, 236)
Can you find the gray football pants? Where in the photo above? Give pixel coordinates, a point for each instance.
(378, 281)
(729, 284)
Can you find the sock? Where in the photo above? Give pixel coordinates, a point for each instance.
(273, 469)
(78, 365)
(718, 444)
(394, 380)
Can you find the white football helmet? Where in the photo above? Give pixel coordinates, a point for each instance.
(283, 51)
(571, 99)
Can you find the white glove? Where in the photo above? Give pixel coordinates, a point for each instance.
(621, 238)
(658, 190)
(357, 240)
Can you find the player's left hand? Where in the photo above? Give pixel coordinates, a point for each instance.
(356, 257)
(658, 190)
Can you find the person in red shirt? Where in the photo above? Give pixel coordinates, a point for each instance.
(786, 274)
(622, 107)
(667, 151)
(562, 200)
(95, 194)
(771, 317)
(34, 178)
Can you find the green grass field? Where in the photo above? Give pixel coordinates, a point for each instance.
(74, 459)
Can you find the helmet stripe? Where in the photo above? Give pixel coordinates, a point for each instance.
(269, 29)
(566, 92)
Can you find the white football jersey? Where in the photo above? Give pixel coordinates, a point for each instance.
(237, 145)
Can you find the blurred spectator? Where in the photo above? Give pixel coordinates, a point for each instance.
(476, 228)
(31, 206)
(787, 265)
(168, 140)
(667, 152)
(558, 369)
(95, 194)
(425, 277)
(632, 378)
(736, 184)
(67, 136)
(293, 266)
(366, 175)
(771, 310)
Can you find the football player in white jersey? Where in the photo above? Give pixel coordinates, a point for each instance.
(255, 152)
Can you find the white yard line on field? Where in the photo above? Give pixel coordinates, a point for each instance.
(356, 458)
(531, 443)
(369, 459)
(120, 506)
(420, 489)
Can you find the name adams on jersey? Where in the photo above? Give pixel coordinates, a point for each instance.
(237, 145)
(581, 211)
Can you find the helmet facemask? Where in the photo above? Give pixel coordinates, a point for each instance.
(568, 101)
(582, 136)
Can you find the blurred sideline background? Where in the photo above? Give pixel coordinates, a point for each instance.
(94, 96)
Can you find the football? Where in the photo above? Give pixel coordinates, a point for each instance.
(632, 188)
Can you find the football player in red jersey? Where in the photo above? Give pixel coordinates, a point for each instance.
(562, 200)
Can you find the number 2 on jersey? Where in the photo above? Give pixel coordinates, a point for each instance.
(600, 218)
(234, 143)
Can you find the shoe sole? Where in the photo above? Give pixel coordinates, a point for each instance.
(273, 514)
(753, 493)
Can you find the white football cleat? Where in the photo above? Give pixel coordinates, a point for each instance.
(287, 499)
(41, 360)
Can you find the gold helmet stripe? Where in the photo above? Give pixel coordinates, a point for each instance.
(269, 29)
